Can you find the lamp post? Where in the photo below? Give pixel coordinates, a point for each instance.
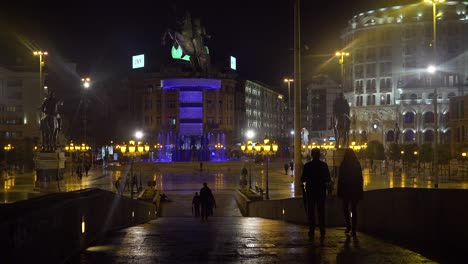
(86, 82)
(248, 150)
(288, 81)
(434, 54)
(267, 149)
(133, 149)
(7, 148)
(341, 55)
(41, 64)
(70, 148)
(218, 147)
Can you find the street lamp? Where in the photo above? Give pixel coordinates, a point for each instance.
(248, 149)
(133, 149)
(288, 81)
(86, 82)
(267, 149)
(41, 64)
(218, 147)
(434, 54)
(341, 55)
(7, 149)
(70, 148)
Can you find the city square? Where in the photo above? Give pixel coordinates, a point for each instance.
(108, 144)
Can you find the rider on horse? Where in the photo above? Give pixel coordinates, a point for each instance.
(341, 112)
(51, 122)
(50, 107)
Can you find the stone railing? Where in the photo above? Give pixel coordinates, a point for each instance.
(54, 227)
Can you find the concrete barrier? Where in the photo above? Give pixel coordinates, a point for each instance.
(54, 227)
(425, 218)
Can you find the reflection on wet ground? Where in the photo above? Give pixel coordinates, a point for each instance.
(219, 176)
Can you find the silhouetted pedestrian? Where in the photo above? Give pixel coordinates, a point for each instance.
(350, 188)
(196, 205)
(117, 185)
(317, 177)
(286, 168)
(79, 172)
(207, 202)
(87, 167)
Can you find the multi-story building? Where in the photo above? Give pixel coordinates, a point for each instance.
(459, 124)
(20, 99)
(189, 117)
(320, 93)
(265, 112)
(386, 77)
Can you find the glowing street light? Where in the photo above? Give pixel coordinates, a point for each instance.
(434, 54)
(134, 149)
(41, 64)
(341, 55)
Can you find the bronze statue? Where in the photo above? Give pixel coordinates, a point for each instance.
(191, 39)
(50, 123)
(341, 120)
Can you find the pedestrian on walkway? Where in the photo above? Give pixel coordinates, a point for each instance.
(316, 177)
(286, 168)
(207, 202)
(87, 167)
(243, 180)
(350, 188)
(79, 172)
(196, 205)
(117, 185)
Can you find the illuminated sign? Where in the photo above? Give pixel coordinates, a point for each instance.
(233, 63)
(138, 61)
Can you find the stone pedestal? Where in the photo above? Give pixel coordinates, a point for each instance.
(50, 168)
(333, 159)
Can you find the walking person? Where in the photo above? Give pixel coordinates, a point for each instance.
(207, 202)
(196, 205)
(79, 172)
(350, 188)
(286, 168)
(316, 177)
(117, 185)
(243, 180)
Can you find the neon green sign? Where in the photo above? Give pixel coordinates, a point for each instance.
(178, 54)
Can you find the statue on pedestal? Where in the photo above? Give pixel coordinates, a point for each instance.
(341, 121)
(50, 123)
(191, 38)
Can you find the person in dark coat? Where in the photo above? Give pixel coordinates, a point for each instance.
(207, 202)
(350, 188)
(196, 205)
(316, 177)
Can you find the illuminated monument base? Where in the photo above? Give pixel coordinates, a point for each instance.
(190, 139)
(50, 168)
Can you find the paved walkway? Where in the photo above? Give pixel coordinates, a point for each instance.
(227, 237)
(238, 240)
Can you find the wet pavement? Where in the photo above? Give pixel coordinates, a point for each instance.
(172, 177)
(239, 240)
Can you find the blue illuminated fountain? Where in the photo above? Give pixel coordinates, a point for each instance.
(190, 139)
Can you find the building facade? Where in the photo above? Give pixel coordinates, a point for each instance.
(204, 119)
(320, 93)
(20, 100)
(386, 77)
(459, 125)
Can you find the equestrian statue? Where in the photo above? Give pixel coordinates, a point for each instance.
(341, 121)
(191, 38)
(50, 123)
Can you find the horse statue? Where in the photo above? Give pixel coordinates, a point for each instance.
(191, 39)
(341, 127)
(50, 124)
(49, 127)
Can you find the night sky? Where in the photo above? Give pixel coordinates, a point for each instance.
(101, 36)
